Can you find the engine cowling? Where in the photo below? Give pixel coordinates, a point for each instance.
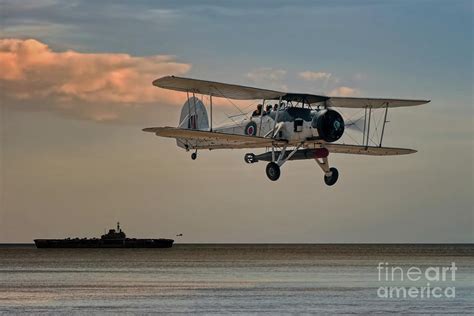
(329, 124)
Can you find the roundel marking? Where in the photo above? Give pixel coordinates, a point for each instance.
(251, 129)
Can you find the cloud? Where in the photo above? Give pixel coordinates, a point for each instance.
(266, 74)
(38, 28)
(344, 92)
(312, 75)
(267, 77)
(101, 86)
(360, 76)
(12, 6)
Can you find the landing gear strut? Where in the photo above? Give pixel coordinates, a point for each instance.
(332, 179)
(330, 174)
(273, 167)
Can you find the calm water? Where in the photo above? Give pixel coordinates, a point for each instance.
(248, 279)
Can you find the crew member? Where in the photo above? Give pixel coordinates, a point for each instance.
(258, 111)
(268, 109)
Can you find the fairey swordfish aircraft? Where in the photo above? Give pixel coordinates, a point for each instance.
(299, 126)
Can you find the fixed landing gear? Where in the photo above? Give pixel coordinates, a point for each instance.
(194, 155)
(273, 171)
(273, 167)
(331, 179)
(279, 158)
(330, 174)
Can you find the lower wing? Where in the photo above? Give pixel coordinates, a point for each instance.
(367, 150)
(196, 139)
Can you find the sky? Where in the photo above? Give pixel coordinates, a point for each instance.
(75, 92)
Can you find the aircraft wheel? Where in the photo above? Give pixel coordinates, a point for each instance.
(194, 156)
(273, 171)
(249, 158)
(333, 178)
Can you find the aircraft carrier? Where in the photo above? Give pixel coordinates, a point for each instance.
(115, 238)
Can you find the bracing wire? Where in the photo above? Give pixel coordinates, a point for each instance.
(235, 105)
(376, 132)
(352, 122)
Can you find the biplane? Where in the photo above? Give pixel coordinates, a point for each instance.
(298, 126)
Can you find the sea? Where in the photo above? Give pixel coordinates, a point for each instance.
(247, 279)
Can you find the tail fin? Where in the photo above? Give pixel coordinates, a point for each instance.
(194, 115)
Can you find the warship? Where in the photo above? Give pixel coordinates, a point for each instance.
(115, 238)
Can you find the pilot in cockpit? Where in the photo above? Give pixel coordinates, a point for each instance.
(268, 109)
(258, 111)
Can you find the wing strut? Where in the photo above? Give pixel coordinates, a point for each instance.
(383, 126)
(367, 121)
(365, 125)
(261, 118)
(276, 118)
(368, 127)
(210, 105)
(195, 110)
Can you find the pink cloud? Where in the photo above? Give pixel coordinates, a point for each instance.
(344, 92)
(93, 86)
(313, 75)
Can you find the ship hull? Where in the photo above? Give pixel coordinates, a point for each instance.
(104, 243)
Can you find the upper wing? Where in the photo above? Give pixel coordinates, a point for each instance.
(233, 91)
(217, 89)
(345, 102)
(367, 150)
(196, 139)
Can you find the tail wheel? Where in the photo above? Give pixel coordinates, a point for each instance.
(332, 179)
(273, 171)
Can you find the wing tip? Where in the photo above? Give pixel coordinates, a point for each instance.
(157, 81)
(151, 129)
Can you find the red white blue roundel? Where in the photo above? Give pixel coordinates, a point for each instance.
(251, 129)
